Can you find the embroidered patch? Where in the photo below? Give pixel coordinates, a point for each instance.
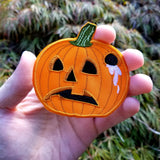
(80, 76)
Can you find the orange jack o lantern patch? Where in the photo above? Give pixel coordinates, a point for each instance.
(81, 77)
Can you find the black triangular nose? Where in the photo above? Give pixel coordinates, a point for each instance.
(71, 77)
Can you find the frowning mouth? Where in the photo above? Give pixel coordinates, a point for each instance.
(67, 94)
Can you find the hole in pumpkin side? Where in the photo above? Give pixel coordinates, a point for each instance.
(89, 68)
(111, 59)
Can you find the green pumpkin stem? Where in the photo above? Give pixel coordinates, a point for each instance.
(85, 35)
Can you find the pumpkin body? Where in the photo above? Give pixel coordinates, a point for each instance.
(81, 81)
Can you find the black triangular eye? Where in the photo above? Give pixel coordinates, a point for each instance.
(57, 66)
(111, 59)
(89, 68)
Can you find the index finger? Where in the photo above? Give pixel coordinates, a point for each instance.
(105, 33)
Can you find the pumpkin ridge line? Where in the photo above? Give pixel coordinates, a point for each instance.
(118, 96)
(107, 100)
(66, 52)
(86, 80)
(60, 48)
(99, 69)
(100, 112)
(40, 56)
(60, 78)
(100, 73)
(73, 83)
(122, 97)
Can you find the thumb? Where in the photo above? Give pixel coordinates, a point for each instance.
(20, 82)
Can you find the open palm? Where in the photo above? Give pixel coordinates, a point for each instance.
(28, 131)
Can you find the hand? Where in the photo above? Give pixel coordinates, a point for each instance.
(30, 132)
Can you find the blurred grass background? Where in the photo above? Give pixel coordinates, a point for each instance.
(32, 24)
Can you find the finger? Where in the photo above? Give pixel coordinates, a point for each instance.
(134, 59)
(19, 84)
(129, 107)
(105, 33)
(140, 84)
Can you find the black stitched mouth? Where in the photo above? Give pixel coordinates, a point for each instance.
(67, 94)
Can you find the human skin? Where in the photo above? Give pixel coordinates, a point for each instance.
(29, 132)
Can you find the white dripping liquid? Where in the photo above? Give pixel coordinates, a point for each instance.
(115, 70)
